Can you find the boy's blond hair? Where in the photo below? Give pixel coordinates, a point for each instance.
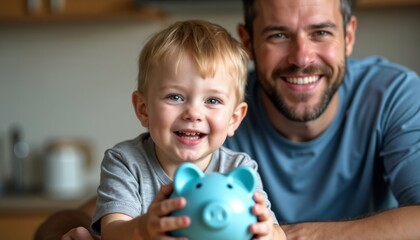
(210, 46)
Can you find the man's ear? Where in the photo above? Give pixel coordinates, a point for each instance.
(351, 35)
(245, 39)
(140, 107)
(237, 117)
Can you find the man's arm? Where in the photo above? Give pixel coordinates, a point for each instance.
(399, 223)
(63, 221)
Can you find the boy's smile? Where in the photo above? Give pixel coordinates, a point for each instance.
(190, 137)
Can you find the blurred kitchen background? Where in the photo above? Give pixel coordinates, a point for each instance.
(68, 68)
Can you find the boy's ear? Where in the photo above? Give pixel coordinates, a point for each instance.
(139, 104)
(237, 117)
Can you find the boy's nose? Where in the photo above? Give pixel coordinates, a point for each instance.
(192, 114)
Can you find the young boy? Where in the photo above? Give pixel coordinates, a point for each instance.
(191, 84)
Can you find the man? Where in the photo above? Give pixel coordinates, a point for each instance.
(337, 139)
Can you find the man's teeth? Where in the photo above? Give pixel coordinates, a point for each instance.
(302, 80)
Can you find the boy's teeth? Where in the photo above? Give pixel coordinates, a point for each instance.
(302, 80)
(189, 133)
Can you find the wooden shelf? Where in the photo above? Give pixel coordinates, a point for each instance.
(74, 10)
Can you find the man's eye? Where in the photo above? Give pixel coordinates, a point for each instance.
(322, 33)
(278, 36)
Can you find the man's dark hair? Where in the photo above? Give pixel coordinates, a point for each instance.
(249, 13)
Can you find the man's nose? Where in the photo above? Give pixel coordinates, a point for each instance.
(301, 52)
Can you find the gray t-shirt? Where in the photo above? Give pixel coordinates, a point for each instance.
(131, 176)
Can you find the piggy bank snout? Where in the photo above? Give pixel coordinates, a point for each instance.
(216, 215)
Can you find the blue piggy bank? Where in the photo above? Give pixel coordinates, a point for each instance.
(218, 205)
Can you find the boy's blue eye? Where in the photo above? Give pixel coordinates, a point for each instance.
(213, 101)
(175, 97)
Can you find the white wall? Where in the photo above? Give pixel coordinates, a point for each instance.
(76, 79)
(393, 33)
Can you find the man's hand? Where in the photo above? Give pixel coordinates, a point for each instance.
(66, 224)
(400, 223)
(79, 233)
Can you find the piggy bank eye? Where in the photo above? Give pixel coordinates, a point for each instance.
(198, 185)
(229, 186)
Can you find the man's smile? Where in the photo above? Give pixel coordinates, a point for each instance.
(302, 80)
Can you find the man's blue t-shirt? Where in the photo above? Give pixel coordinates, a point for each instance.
(367, 159)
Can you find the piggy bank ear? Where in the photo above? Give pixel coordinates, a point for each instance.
(186, 175)
(244, 176)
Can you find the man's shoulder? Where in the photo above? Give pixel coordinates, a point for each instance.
(376, 63)
(377, 73)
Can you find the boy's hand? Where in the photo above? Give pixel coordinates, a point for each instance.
(156, 222)
(264, 228)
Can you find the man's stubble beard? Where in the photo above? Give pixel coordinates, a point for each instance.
(289, 111)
